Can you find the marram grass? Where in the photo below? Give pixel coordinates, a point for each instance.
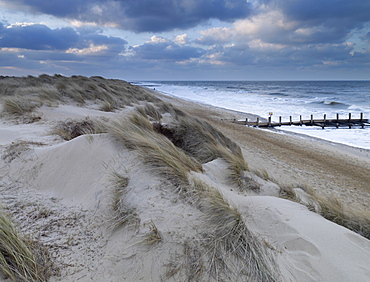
(156, 150)
(19, 260)
(332, 209)
(232, 248)
(122, 213)
(227, 250)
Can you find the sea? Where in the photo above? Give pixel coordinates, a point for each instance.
(285, 99)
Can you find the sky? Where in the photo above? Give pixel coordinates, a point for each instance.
(187, 39)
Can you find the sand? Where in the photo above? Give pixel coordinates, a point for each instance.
(60, 193)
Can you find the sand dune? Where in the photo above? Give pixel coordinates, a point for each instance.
(65, 195)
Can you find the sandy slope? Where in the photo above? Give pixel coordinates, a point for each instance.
(60, 193)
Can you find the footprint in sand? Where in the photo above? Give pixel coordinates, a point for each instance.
(301, 245)
(358, 241)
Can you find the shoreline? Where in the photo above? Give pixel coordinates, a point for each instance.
(360, 140)
(292, 159)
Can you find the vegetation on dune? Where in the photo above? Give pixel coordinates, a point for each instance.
(24, 94)
(156, 150)
(71, 129)
(21, 259)
(228, 250)
(205, 143)
(122, 213)
(153, 237)
(17, 148)
(330, 208)
(229, 242)
(19, 106)
(149, 110)
(232, 247)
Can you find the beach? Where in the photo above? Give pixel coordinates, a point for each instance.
(147, 187)
(292, 159)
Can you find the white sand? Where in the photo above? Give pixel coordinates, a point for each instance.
(60, 193)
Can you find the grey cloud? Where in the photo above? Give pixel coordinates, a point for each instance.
(41, 37)
(334, 19)
(37, 37)
(143, 15)
(167, 51)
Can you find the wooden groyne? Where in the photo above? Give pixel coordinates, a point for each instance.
(324, 122)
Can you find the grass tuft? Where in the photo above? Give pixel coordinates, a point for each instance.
(154, 236)
(19, 106)
(202, 141)
(15, 149)
(156, 150)
(190, 262)
(232, 248)
(122, 214)
(21, 259)
(330, 208)
(71, 129)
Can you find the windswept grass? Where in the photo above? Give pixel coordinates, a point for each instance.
(191, 262)
(122, 214)
(232, 248)
(331, 208)
(153, 237)
(356, 220)
(202, 141)
(137, 133)
(149, 110)
(21, 259)
(19, 105)
(228, 250)
(71, 129)
(15, 149)
(111, 93)
(236, 167)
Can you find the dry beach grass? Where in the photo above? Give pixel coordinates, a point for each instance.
(157, 177)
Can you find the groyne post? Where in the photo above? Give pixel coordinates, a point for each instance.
(290, 120)
(300, 120)
(311, 121)
(323, 124)
(279, 120)
(337, 124)
(258, 121)
(349, 120)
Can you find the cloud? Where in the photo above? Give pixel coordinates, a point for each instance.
(37, 37)
(140, 15)
(36, 47)
(40, 37)
(159, 48)
(331, 19)
(262, 36)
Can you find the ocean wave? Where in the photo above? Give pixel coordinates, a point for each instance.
(332, 103)
(279, 94)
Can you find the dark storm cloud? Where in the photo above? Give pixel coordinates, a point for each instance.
(41, 37)
(318, 11)
(142, 15)
(37, 37)
(334, 18)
